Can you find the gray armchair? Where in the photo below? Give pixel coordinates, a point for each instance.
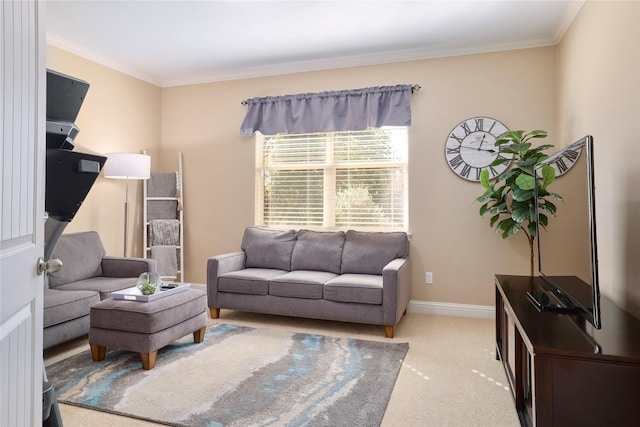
(87, 276)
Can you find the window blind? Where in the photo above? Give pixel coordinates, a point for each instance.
(345, 179)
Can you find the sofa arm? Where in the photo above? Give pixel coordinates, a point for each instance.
(396, 290)
(127, 267)
(219, 265)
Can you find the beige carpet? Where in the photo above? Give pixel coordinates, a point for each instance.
(450, 376)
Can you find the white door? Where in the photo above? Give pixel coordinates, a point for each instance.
(22, 169)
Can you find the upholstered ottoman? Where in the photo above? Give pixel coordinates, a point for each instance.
(146, 327)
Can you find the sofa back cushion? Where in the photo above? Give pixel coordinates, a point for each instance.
(369, 252)
(268, 248)
(319, 251)
(81, 255)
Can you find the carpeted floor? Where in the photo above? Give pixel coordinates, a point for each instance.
(449, 376)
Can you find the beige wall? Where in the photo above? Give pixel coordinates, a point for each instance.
(120, 114)
(448, 237)
(525, 89)
(599, 93)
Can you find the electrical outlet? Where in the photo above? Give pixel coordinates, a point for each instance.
(428, 278)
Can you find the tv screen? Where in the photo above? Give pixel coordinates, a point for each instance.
(567, 248)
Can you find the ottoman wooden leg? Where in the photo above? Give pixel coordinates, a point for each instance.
(148, 360)
(98, 352)
(198, 336)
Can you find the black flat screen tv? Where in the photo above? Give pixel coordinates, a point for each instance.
(567, 248)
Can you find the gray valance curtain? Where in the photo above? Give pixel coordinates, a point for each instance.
(344, 110)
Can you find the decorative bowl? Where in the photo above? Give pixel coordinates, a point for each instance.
(149, 283)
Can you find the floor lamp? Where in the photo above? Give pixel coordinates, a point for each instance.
(127, 166)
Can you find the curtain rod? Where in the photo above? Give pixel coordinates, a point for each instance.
(414, 89)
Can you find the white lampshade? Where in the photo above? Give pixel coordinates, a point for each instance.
(127, 166)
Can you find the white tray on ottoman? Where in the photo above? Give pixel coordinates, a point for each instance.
(135, 294)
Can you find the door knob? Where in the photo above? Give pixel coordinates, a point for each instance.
(53, 265)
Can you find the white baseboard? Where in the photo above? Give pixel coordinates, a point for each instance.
(450, 309)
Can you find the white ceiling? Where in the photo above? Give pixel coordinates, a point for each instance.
(170, 43)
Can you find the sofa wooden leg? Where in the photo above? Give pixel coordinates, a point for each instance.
(198, 336)
(214, 312)
(148, 360)
(388, 331)
(98, 352)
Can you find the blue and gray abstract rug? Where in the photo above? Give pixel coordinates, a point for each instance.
(240, 376)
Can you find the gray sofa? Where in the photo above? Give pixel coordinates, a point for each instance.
(360, 277)
(86, 277)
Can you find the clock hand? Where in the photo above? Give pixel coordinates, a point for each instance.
(482, 141)
(489, 150)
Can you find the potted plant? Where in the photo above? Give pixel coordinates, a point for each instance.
(511, 199)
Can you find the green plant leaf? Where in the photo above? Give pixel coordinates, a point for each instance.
(484, 180)
(539, 149)
(519, 148)
(521, 212)
(533, 229)
(550, 207)
(525, 182)
(498, 161)
(555, 196)
(497, 194)
(493, 220)
(486, 196)
(529, 162)
(483, 209)
(548, 175)
(520, 195)
(538, 133)
(509, 227)
(498, 208)
(543, 220)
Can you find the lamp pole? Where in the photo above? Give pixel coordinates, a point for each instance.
(126, 214)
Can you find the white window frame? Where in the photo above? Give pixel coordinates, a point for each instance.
(329, 180)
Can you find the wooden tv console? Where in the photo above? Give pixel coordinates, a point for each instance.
(561, 370)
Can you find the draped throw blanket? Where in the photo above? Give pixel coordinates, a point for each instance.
(164, 235)
(167, 260)
(164, 232)
(345, 110)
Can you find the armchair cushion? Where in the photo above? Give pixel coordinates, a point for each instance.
(101, 285)
(81, 255)
(268, 248)
(127, 267)
(65, 306)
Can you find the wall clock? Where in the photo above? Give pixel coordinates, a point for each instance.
(470, 148)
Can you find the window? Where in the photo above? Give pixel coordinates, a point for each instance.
(354, 179)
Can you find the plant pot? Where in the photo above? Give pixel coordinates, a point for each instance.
(149, 283)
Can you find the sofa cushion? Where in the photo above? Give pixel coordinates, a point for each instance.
(369, 252)
(81, 255)
(268, 248)
(320, 251)
(254, 281)
(63, 306)
(357, 288)
(300, 284)
(102, 285)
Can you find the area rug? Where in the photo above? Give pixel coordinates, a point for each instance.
(240, 376)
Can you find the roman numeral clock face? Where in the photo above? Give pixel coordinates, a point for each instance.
(470, 148)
